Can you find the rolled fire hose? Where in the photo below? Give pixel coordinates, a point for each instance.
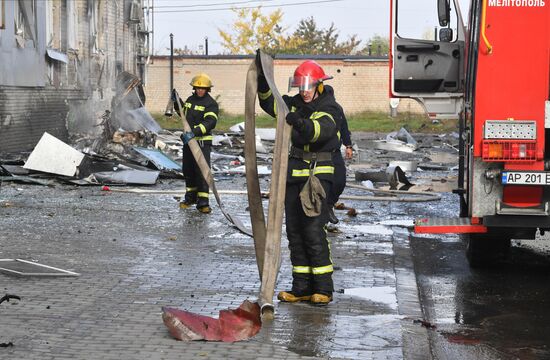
(207, 174)
(267, 237)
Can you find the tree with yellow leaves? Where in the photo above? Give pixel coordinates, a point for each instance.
(253, 30)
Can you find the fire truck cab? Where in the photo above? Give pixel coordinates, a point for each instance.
(493, 76)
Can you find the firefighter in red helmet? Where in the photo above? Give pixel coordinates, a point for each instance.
(315, 117)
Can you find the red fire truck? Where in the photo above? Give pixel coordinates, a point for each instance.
(493, 75)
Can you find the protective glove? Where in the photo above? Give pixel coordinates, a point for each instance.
(174, 95)
(294, 119)
(263, 87)
(287, 99)
(197, 131)
(186, 137)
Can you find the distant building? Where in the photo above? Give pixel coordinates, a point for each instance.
(361, 83)
(58, 64)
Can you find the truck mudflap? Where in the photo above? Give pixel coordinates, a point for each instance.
(447, 226)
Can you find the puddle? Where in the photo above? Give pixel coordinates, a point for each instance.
(402, 222)
(379, 294)
(371, 229)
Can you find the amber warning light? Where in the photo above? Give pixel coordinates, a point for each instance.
(509, 150)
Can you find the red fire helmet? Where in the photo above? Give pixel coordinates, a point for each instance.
(307, 75)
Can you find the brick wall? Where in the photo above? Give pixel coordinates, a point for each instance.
(361, 84)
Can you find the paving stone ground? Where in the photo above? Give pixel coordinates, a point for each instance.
(138, 253)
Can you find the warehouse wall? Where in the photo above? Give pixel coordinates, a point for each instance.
(59, 76)
(360, 83)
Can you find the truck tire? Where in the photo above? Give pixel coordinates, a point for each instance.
(483, 250)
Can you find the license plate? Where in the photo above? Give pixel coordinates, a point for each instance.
(525, 178)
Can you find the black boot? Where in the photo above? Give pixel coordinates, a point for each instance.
(189, 199)
(332, 216)
(203, 206)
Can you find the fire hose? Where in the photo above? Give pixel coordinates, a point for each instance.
(242, 323)
(207, 174)
(267, 237)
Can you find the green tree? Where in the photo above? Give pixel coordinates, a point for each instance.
(330, 44)
(377, 46)
(309, 39)
(184, 51)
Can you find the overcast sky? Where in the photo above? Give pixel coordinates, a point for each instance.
(192, 20)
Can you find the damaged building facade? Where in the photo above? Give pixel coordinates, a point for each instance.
(59, 63)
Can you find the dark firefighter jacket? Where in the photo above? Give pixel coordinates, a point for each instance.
(201, 114)
(344, 129)
(319, 134)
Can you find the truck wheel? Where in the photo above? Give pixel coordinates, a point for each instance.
(483, 250)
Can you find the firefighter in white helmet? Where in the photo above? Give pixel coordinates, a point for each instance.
(201, 112)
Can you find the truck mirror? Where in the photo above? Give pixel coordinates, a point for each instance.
(446, 34)
(443, 12)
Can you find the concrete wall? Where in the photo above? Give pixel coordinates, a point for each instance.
(361, 83)
(38, 92)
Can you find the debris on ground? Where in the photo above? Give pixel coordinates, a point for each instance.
(232, 325)
(7, 298)
(424, 323)
(20, 267)
(398, 141)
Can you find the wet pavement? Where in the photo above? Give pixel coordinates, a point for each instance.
(136, 253)
(495, 313)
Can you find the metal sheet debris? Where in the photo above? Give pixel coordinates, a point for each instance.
(26, 180)
(407, 166)
(237, 127)
(57, 55)
(392, 175)
(127, 176)
(395, 145)
(22, 267)
(396, 176)
(397, 141)
(15, 169)
(219, 140)
(262, 170)
(402, 135)
(53, 156)
(137, 119)
(159, 159)
(266, 134)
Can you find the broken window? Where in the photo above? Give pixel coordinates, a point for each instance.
(72, 25)
(93, 16)
(49, 24)
(136, 12)
(25, 22)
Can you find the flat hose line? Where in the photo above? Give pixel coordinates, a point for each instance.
(207, 174)
(267, 237)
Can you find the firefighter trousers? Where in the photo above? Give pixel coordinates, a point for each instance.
(196, 186)
(339, 179)
(309, 247)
